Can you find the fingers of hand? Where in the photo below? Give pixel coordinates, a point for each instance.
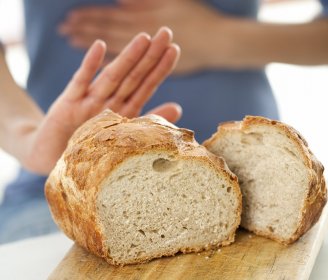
(153, 56)
(100, 18)
(153, 80)
(113, 74)
(114, 25)
(83, 30)
(94, 13)
(82, 78)
(136, 101)
(82, 36)
(172, 112)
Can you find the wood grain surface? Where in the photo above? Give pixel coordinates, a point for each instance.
(250, 257)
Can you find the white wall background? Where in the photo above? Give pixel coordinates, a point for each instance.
(302, 92)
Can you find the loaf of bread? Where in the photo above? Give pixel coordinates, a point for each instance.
(130, 190)
(281, 181)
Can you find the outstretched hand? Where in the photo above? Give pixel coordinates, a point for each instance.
(124, 86)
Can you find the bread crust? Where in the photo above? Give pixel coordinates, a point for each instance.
(317, 195)
(95, 150)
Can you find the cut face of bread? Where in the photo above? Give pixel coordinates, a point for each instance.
(281, 181)
(133, 190)
(154, 204)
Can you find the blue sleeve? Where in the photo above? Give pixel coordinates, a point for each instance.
(324, 7)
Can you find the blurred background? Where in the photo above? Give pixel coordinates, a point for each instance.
(302, 92)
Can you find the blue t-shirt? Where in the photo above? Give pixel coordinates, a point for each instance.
(324, 7)
(207, 97)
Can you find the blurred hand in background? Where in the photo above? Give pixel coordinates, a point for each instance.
(193, 23)
(208, 38)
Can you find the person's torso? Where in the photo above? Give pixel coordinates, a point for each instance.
(53, 63)
(207, 97)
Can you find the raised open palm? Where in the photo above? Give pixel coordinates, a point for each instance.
(123, 86)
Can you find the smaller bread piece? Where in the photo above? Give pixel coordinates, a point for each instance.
(133, 190)
(281, 181)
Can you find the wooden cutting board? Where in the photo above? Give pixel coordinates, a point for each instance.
(250, 257)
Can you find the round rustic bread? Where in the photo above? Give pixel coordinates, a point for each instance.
(130, 190)
(282, 182)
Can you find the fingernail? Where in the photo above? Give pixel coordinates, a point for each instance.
(167, 29)
(145, 35)
(179, 108)
(101, 42)
(177, 47)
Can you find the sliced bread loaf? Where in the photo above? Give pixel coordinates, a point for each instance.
(281, 181)
(133, 190)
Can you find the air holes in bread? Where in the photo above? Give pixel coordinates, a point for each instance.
(164, 165)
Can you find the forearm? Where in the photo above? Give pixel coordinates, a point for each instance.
(19, 115)
(255, 44)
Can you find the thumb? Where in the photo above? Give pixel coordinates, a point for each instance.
(172, 112)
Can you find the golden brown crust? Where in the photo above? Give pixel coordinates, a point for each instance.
(95, 150)
(317, 194)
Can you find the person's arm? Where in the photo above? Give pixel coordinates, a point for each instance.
(19, 115)
(37, 140)
(255, 44)
(208, 38)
